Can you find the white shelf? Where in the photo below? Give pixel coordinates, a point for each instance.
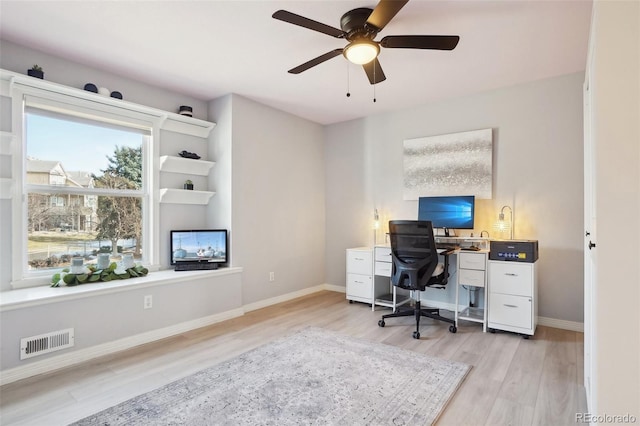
(5, 188)
(172, 164)
(188, 125)
(184, 196)
(6, 139)
(386, 300)
(472, 314)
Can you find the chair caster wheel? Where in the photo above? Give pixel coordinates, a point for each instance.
(351, 302)
(492, 331)
(453, 329)
(381, 323)
(525, 336)
(416, 335)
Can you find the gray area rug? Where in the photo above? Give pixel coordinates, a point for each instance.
(312, 377)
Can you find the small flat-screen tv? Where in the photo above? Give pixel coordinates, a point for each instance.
(201, 245)
(449, 212)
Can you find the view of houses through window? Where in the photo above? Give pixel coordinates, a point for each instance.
(85, 187)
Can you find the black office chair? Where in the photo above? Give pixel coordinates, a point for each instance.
(416, 267)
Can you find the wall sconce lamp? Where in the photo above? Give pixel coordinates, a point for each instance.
(502, 225)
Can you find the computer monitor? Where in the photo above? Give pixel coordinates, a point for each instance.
(448, 212)
(202, 245)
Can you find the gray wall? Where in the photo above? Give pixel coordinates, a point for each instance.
(278, 206)
(537, 169)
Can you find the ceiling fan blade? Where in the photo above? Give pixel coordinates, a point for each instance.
(374, 71)
(312, 63)
(438, 42)
(384, 12)
(301, 21)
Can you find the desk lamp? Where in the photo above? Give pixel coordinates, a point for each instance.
(503, 225)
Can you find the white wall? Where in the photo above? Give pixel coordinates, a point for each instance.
(615, 89)
(278, 207)
(537, 169)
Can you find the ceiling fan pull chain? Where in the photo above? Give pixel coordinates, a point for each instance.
(374, 84)
(348, 91)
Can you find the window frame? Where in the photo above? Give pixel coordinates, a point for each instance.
(109, 111)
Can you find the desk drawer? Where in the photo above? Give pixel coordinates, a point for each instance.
(471, 277)
(383, 269)
(383, 254)
(472, 261)
(359, 285)
(511, 278)
(359, 262)
(514, 311)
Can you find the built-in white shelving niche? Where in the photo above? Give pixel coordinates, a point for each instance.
(184, 196)
(169, 163)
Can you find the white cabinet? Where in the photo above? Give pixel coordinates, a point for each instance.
(472, 277)
(384, 293)
(359, 275)
(513, 288)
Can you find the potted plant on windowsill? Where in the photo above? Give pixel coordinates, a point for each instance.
(188, 185)
(36, 71)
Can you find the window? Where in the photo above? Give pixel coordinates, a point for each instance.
(85, 185)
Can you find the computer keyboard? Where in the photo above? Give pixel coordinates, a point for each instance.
(196, 266)
(447, 246)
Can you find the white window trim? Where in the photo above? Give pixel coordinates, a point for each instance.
(61, 102)
(14, 85)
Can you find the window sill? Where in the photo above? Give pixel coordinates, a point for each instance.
(34, 296)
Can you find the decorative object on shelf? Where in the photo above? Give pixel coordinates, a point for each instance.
(505, 225)
(188, 185)
(187, 154)
(90, 87)
(185, 110)
(116, 94)
(103, 261)
(36, 71)
(93, 274)
(77, 265)
(127, 261)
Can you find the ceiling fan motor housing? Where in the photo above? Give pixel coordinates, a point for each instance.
(354, 24)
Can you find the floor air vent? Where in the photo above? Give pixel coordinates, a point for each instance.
(45, 343)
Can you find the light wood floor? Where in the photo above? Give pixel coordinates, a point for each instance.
(513, 381)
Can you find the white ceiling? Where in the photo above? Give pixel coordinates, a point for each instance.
(207, 49)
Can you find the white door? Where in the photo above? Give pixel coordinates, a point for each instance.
(589, 239)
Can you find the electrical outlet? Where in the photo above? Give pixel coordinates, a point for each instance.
(272, 276)
(148, 302)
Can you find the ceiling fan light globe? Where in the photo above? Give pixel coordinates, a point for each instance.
(361, 52)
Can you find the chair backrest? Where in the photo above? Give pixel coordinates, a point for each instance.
(413, 252)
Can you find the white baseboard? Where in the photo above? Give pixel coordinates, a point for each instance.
(82, 355)
(282, 298)
(562, 324)
(68, 359)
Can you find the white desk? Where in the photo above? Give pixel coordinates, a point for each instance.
(369, 270)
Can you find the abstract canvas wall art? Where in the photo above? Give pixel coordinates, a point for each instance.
(453, 164)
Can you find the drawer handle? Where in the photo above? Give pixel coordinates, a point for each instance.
(358, 258)
(510, 274)
(510, 306)
(358, 282)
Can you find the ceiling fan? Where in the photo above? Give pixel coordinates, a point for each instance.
(360, 27)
